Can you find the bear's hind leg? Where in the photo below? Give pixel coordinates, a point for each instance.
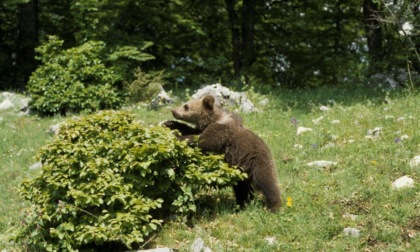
(268, 185)
(244, 192)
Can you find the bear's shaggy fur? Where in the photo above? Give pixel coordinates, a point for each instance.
(222, 132)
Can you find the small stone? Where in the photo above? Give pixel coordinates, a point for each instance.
(298, 146)
(335, 121)
(322, 163)
(53, 130)
(404, 137)
(270, 240)
(329, 145)
(264, 102)
(349, 216)
(301, 130)
(374, 133)
(198, 246)
(377, 131)
(353, 232)
(415, 162)
(324, 108)
(404, 181)
(35, 166)
(158, 250)
(318, 120)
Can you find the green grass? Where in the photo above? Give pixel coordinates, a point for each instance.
(360, 184)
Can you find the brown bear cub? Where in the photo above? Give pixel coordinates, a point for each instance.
(222, 132)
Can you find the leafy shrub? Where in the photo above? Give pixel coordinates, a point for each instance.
(74, 80)
(109, 180)
(145, 86)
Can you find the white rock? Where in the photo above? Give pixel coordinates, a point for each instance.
(225, 97)
(329, 145)
(335, 121)
(8, 95)
(349, 216)
(157, 250)
(415, 161)
(301, 130)
(53, 130)
(402, 182)
(374, 133)
(389, 117)
(198, 246)
(24, 102)
(322, 163)
(6, 104)
(391, 82)
(351, 141)
(353, 232)
(247, 107)
(35, 166)
(264, 102)
(399, 119)
(404, 137)
(163, 95)
(377, 131)
(298, 146)
(318, 120)
(270, 240)
(161, 99)
(324, 108)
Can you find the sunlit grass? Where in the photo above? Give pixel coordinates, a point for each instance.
(356, 193)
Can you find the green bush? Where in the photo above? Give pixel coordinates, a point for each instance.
(107, 180)
(145, 87)
(74, 80)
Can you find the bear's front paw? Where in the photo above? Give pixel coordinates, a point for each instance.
(169, 124)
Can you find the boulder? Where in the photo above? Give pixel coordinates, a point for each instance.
(226, 97)
(6, 105)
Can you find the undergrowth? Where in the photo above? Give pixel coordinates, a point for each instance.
(319, 202)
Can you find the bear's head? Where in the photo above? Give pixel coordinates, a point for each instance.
(200, 112)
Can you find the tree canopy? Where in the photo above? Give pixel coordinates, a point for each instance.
(274, 43)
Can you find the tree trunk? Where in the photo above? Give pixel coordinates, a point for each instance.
(247, 45)
(416, 12)
(236, 37)
(27, 41)
(373, 30)
(242, 32)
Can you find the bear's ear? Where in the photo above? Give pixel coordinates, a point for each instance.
(208, 102)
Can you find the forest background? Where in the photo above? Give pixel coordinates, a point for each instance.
(270, 44)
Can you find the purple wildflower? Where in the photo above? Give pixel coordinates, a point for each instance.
(294, 121)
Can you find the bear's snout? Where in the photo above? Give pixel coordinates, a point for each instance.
(175, 114)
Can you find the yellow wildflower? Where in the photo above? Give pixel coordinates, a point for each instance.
(289, 201)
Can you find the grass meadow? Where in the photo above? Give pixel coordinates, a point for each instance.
(319, 202)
